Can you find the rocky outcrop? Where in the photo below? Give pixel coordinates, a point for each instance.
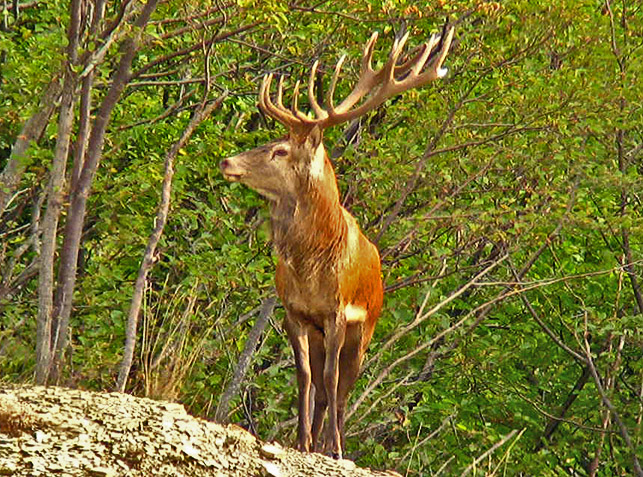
(58, 431)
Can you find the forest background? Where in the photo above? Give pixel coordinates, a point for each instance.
(505, 200)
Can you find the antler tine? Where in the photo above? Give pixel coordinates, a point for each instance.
(427, 49)
(367, 56)
(295, 99)
(333, 84)
(280, 92)
(319, 111)
(413, 58)
(277, 112)
(444, 52)
(435, 71)
(368, 78)
(389, 67)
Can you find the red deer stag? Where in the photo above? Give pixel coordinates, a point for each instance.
(328, 272)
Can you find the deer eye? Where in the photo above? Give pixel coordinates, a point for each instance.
(279, 153)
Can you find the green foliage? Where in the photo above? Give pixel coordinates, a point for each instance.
(540, 158)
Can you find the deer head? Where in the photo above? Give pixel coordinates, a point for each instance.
(277, 169)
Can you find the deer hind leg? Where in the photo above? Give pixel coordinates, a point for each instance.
(334, 334)
(298, 337)
(350, 362)
(317, 360)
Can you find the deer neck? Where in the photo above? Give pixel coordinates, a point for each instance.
(308, 227)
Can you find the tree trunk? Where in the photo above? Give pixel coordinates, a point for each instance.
(44, 343)
(49, 232)
(68, 258)
(31, 131)
(69, 254)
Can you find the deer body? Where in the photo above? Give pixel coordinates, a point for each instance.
(328, 273)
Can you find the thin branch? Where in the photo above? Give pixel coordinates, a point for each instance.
(490, 451)
(293, 6)
(232, 388)
(270, 53)
(381, 398)
(575, 354)
(32, 130)
(186, 51)
(20, 6)
(196, 16)
(33, 241)
(140, 84)
(92, 59)
(559, 418)
(411, 183)
(433, 434)
(422, 221)
(190, 28)
(165, 114)
(422, 317)
(608, 404)
(444, 466)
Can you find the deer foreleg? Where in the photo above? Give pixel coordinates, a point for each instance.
(334, 335)
(317, 361)
(298, 337)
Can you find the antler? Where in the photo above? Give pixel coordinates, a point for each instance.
(391, 79)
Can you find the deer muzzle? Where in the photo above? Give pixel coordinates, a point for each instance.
(230, 170)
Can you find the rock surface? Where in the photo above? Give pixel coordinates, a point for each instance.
(58, 431)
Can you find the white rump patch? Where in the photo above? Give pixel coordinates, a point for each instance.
(354, 313)
(318, 163)
(442, 72)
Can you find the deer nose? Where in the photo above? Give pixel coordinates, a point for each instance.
(224, 164)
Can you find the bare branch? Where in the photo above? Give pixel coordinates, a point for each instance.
(491, 450)
(195, 16)
(433, 434)
(20, 6)
(608, 404)
(421, 317)
(575, 354)
(165, 114)
(7, 282)
(232, 388)
(115, 33)
(186, 51)
(191, 28)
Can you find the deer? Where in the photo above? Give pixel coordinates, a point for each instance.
(328, 274)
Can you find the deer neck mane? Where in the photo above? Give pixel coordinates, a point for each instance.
(308, 228)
